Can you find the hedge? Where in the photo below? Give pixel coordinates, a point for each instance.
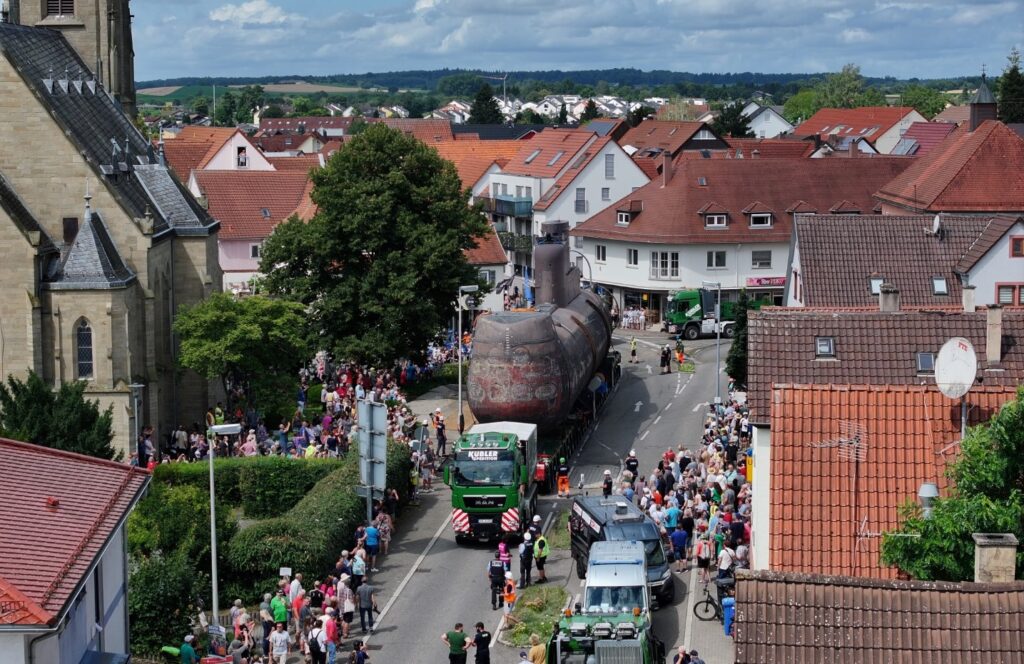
(311, 535)
(226, 471)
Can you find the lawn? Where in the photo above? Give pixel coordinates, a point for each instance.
(558, 534)
(537, 610)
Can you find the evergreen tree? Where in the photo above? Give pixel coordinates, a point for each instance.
(63, 420)
(589, 112)
(736, 360)
(732, 122)
(1011, 90)
(638, 114)
(563, 115)
(485, 108)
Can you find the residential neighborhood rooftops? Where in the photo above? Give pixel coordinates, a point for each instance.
(428, 130)
(676, 212)
(787, 617)
(499, 132)
(899, 250)
(846, 457)
(488, 251)
(548, 153)
(304, 124)
(473, 158)
(769, 148)
(78, 502)
(954, 114)
(194, 147)
(970, 171)
(866, 121)
(575, 168)
(922, 137)
(250, 204)
(869, 347)
(661, 135)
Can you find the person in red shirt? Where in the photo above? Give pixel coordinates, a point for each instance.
(297, 604)
(331, 633)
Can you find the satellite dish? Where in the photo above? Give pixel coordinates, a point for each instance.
(955, 367)
(936, 225)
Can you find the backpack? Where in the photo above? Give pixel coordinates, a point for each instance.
(314, 644)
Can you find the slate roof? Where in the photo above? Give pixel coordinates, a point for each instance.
(922, 137)
(827, 508)
(871, 348)
(672, 214)
(497, 132)
(87, 113)
(92, 262)
(867, 121)
(661, 135)
(22, 217)
(782, 617)
(970, 171)
(564, 144)
(896, 248)
(238, 200)
(172, 203)
(78, 502)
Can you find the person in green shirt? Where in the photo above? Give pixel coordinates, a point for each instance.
(279, 607)
(458, 644)
(187, 652)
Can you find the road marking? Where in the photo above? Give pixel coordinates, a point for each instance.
(645, 434)
(408, 577)
(649, 370)
(691, 590)
(639, 341)
(657, 419)
(669, 405)
(636, 406)
(596, 426)
(703, 404)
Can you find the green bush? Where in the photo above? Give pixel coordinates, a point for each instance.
(275, 484)
(162, 592)
(226, 472)
(175, 519)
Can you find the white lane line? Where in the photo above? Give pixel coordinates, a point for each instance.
(596, 426)
(547, 522)
(408, 577)
(645, 434)
(691, 590)
(657, 419)
(669, 405)
(639, 341)
(698, 407)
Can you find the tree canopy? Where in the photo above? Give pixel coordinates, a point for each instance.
(986, 495)
(732, 122)
(381, 262)
(1011, 90)
(736, 360)
(255, 345)
(589, 112)
(62, 419)
(485, 107)
(926, 101)
(563, 114)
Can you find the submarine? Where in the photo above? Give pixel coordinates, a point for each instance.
(532, 365)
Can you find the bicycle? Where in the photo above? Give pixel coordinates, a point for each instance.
(711, 606)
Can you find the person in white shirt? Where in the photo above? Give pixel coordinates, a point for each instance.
(294, 588)
(726, 558)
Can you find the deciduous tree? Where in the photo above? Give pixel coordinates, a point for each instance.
(842, 89)
(380, 264)
(926, 101)
(801, 106)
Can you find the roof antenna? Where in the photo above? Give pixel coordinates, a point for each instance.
(87, 217)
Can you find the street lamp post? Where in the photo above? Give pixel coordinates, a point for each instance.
(463, 291)
(718, 339)
(216, 430)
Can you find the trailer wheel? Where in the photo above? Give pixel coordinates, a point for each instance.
(728, 331)
(581, 568)
(691, 332)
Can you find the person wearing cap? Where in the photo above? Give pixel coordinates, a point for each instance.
(632, 464)
(606, 484)
(523, 657)
(495, 577)
(279, 607)
(525, 560)
(535, 526)
(187, 652)
(508, 594)
(695, 658)
(562, 474)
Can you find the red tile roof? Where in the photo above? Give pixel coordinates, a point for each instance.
(194, 147)
(871, 348)
(971, 171)
(954, 114)
(238, 199)
(928, 135)
(896, 248)
(853, 122)
(285, 142)
(428, 130)
(547, 153)
(787, 617)
(846, 457)
(651, 166)
(304, 163)
(575, 168)
(672, 214)
(772, 148)
(665, 135)
(308, 123)
(488, 251)
(59, 510)
(473, 157)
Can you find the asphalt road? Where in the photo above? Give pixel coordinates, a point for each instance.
(428, 583)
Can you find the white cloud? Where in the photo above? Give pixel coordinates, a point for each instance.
(854, 36)
(842, 15)
(978, 14)
(254, 12)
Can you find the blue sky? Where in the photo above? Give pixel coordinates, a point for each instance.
(903, 38)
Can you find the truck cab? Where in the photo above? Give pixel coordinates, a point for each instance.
(491, 477)
(594, 519)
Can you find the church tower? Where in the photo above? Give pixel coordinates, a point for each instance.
(101, 32)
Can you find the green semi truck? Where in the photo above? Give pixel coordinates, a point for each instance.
(691, 313)
(611, 621)
(492, 477)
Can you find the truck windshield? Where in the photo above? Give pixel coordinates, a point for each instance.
(643, 532)
(614, 600)
(484, 467)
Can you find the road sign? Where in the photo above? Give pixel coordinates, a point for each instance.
(373, 444)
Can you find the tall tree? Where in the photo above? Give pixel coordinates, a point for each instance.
(1011, 90)
(639, 114)
(272, 111)
(801, 106)
(926, 101)
(842, 89)
(380, 264)
(485, 108)
(589, 112)
(563, 114)
(63, 420)
(227, 106)
(201, 105)
(249, 99)
(986, 495)
(732, 122)
(736, 360)
(254, 344)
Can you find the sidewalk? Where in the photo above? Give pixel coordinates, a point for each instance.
(706, 637)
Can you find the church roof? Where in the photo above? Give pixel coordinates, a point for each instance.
(95, 122)
(26, 222)
(983, 95)
(92, 261)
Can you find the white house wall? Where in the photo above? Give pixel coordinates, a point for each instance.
(760, 524)
(769, 124)
(225, 159)
(996, 267)
(887, 141)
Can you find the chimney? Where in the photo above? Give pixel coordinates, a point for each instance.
(888, 298)
(854, 150)
(666, 168)
(994, 335)
(995, 557)
(967, 294)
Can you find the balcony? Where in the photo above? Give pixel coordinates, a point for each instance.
(516, 242)
(507, 206)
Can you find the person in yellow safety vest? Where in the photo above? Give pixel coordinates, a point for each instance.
(540, 556)
(632, 350)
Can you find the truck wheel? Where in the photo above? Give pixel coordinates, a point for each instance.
(460, 539)
(581, 569)
(691, 332)
(728, 331)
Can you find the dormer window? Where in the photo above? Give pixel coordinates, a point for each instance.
(622, 218)
(715, 221)
(875, 283)
(761, 220)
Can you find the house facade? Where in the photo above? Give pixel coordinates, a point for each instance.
(884, 126)
(766, 121)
